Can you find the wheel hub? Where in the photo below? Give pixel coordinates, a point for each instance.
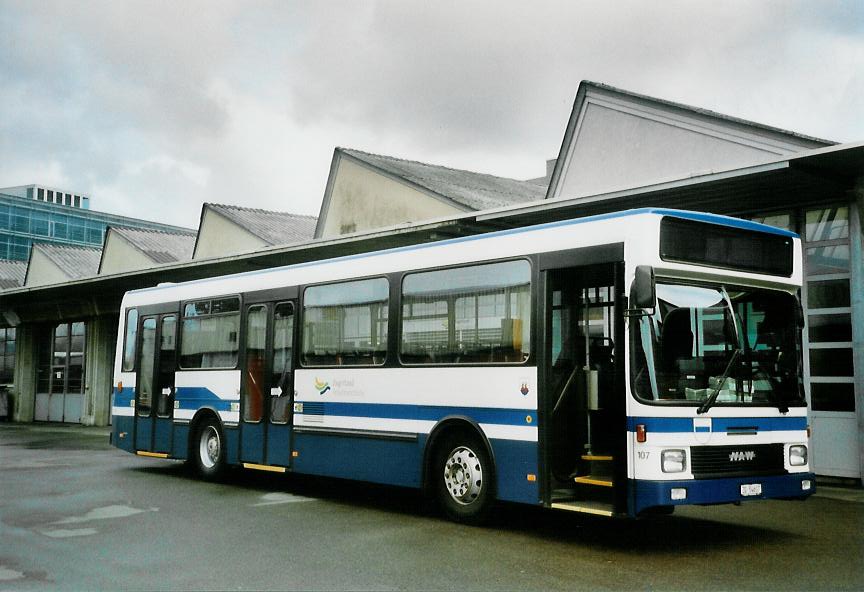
(210, 447)
(463, 475)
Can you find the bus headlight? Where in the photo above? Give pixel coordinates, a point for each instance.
(797, 455)
(673, 461)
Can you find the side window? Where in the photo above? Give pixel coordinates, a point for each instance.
(468, 315)
(130, 340)
(345, 324)
(209, 333)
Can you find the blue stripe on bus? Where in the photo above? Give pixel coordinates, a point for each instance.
(188, 397)
(702, 217)
(195, 397)
(123, 399)
(718, 424)
(516, 417)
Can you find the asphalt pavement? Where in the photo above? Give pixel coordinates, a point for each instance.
(78, 514)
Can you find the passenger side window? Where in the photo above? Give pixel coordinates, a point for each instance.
(209, 334)
(345, 324)
(469, 315)
(130, 340)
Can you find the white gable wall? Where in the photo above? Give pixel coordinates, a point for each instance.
(620, 141)
(361, 198)
(218, 237)
(119, 255)
(42, 271)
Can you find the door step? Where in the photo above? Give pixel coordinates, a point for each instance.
(585, 507)
(258, 467)
(598, 457)
(598, 480)
(152, 454)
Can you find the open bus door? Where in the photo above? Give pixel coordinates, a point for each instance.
(154, 390)
(267, 384)
(585, 447)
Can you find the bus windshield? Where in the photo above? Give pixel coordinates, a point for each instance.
(719, 344)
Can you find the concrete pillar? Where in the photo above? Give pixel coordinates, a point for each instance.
(856, 240)
(99, 371)
(26, 359)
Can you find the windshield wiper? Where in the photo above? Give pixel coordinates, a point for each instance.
(709, 402)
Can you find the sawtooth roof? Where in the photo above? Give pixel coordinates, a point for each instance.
(161, 247)
(473, 191)
(76, 262)
(709, 113)
(12, 273)
(274, 228)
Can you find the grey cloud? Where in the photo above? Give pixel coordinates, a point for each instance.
(100, 87)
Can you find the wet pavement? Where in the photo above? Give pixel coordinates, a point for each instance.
(78, 514)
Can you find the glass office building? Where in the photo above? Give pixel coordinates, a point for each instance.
(27, 216)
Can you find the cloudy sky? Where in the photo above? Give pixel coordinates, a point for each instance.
(155, 107)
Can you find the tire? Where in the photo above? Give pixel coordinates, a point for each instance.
(464, 478)
(208, 450)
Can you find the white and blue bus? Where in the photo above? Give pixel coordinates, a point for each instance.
(618, 365)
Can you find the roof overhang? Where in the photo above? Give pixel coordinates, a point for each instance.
(815, 176)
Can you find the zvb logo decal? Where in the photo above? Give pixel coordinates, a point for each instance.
(321, 387)
(524, 389)
(741, 455)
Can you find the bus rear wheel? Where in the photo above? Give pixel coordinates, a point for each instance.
(464, 479)
(208, 450)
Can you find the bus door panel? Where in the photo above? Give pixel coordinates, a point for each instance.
(583, 388)
(144, 384)
(252, 386)
(267, 387)
(281, 385)
(164, 387)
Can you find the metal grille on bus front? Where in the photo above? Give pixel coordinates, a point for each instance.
(733, 461)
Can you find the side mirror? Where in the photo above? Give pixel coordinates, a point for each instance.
(644, 289)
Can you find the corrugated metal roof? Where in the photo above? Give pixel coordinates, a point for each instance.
(274, 228)
(475, 191)
(12, 273)
(161, 247)
(76, 262)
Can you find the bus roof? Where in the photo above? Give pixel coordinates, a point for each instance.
(660, 212)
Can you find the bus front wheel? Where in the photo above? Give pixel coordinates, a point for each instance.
(209, 450)
(464, 478)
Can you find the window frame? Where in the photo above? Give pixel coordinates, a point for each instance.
(134, 367)
(240, 333)
(532, 294)
(301, 316)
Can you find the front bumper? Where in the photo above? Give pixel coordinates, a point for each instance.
(648, 494)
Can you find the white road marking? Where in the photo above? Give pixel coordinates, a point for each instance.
(271, 499)
(63, 533)
(7, 574)
(105, 513)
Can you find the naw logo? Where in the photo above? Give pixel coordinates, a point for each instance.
(741, 455)
(320, 386)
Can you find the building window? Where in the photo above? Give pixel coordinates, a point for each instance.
(77, 201)
(60, 368)
(468, 315)
(345, 324)
(41, 194)
(828, 298)
(7, 355)
(209, 337)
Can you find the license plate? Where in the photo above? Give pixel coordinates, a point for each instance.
(749, 489)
